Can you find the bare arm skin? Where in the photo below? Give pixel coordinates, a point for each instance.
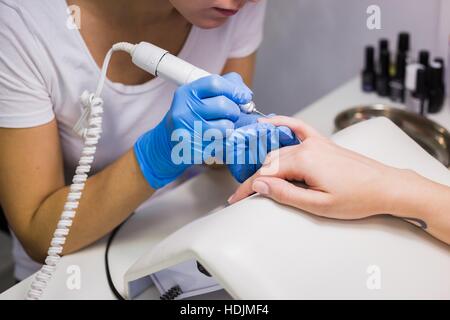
(343, 184)
(244, 66)
(32, 191)
(426, 201)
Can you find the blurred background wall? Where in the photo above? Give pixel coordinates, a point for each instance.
(313, 46)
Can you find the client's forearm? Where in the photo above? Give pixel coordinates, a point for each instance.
(424, 203)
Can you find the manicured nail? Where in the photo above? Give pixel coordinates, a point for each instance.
(263, 120)
(230, 199)
(260, 187)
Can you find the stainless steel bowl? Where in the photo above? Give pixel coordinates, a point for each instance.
(434, 138)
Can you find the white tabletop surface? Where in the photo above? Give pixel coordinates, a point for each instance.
(94, 285)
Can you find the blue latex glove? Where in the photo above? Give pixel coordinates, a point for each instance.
(211, 102)
(246, 119)
(267, 138)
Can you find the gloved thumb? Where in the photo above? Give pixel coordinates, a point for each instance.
(215, 85)
(287, 137)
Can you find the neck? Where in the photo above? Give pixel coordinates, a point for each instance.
(142, 12)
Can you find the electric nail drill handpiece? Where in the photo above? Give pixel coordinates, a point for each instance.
(161, 63)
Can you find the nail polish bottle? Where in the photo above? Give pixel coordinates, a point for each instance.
(383, 77)
(420, 95)
(435, 87)
(411, 86)
(441, 62)
(368, 74)
(397, 84)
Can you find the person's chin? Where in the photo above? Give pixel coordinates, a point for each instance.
(210, 23)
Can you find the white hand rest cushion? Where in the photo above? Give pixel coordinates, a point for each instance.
(258, 249)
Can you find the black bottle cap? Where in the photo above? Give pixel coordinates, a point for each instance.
(369, 64)
(383, 45)
(424, 58)
(403, 42)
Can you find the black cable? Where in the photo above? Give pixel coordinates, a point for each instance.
(108, 274)
(170, 295)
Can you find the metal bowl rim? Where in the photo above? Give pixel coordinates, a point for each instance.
(382, 107)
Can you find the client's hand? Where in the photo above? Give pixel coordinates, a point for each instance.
(340, 183)
(345, 185)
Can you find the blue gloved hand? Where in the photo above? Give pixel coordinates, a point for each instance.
(248, 146)
(246, 119)
(265, 137)
(208, 103)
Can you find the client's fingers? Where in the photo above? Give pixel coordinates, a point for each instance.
(300, 128)
(244, 190)
(287, 193)
(279, 164)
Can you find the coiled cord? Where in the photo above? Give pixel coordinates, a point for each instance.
(91, 138)
(92, 111)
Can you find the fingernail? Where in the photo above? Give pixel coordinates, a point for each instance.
(264, 120)
(230, 199)
(260, 187)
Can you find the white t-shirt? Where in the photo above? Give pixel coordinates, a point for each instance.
(45, 66)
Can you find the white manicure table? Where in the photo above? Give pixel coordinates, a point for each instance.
(325, 273)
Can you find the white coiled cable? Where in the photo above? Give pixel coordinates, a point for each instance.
(90, 128)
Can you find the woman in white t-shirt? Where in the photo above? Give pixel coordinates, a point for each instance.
(46, 63)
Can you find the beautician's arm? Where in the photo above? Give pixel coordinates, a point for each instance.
(32, 191)
(345, 185)
(244, 66)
